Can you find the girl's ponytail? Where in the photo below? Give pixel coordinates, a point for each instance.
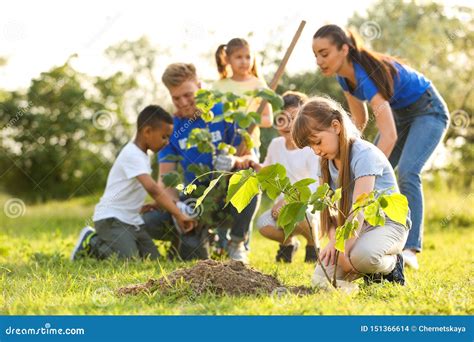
(355, 46)
(221, 61)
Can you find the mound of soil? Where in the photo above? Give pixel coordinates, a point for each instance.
(221, 278)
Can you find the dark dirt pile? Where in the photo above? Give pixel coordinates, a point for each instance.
(221, 278)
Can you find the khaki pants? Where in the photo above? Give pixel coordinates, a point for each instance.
(375, 251)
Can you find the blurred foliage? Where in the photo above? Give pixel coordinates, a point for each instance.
(435, 40)
(60, 136)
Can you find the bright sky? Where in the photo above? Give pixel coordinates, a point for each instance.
(36, 35)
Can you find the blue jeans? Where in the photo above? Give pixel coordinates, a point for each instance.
(240, 228)
(420, 128)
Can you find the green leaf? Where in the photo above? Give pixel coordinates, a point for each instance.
(305, 193)
(229, 149)
(336, 196)
(198, 169)
(203, 107)
(203, 94)
(247, 138)
(362, 200)
(274, 99)
(256, 117)
(292, 195)
(231, 97)
(396, 208)
(270, 172)
(244, 122)
(374, 215)
(171, 179)
(251, 93)
(207, 116)
(273, 180)
(229, 117)
(242, 119)
(239, 115)
(227, 106)
(317, 198)
(298, 192)
(234, 187)
(318, 205)
(304, 182)
(212, 184)
(290, 215)
(202, 139)
(321, 191)
(345, 232)
(340, 241)
(174, 157)
(217, 95)
(243, 186)
(189, 189)
(218, 118)
(205, 147)
(383, 202)
(241, 103)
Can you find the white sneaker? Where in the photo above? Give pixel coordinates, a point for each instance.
(409, 258)
(237, 251)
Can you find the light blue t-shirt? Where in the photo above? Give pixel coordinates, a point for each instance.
(366, 160)
(408, 85)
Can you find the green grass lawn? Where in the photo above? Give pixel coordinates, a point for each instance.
(37, 277)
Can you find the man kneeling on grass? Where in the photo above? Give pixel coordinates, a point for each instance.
(119, 227)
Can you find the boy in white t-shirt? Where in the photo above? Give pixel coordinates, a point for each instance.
(119, 227)
(299, 164)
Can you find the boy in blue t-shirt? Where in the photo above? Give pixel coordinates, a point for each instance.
(182, 83)
(220, 131)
